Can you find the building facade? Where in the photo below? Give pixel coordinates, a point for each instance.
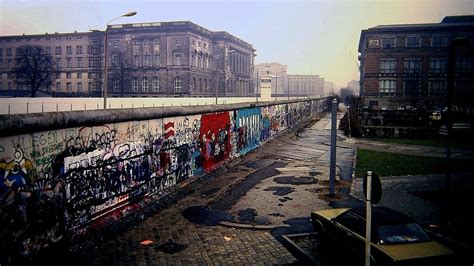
(284, 84)
(407, 65)
(144, 59)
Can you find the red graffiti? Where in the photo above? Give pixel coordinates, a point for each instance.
(215, 139)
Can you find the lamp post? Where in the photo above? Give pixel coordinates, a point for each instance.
(104, 90)
(217, 69)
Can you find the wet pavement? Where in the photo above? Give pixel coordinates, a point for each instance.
(239, 215)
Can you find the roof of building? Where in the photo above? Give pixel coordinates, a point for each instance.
(448, 23)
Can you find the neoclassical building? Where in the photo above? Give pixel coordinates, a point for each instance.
(144, 60)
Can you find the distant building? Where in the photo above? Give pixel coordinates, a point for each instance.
(161, 59)
(294, 85)
(277, 72)
(329, 88)
(306, 85)
(354, 86)
(407, 65)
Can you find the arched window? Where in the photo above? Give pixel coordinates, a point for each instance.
(205, 84)
(177, 84)
(177, 58)
(194, 84)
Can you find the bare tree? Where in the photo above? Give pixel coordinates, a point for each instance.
(120, 71)
(34, 68)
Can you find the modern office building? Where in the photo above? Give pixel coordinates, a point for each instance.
(407, 65)
(144, 60)
(294, 85)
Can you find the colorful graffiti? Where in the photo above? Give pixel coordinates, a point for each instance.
(58, 183)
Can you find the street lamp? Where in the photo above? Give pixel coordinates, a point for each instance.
(104, 90)
(217, 68)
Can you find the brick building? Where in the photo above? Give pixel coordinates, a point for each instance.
(407, 65)
(145, 59)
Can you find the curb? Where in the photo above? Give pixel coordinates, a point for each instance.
(250, 226)
(353, 183)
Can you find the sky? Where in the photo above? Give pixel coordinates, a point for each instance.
(310, 36)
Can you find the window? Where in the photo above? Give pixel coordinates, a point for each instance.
(199, 60)
(68, 62)
(116, 85)
(68, 49)
(412, 65)
(177, 84)
(352, 222)
(156, 84)
(194, 42)
(58, 63)
(438, 65)
(68, 87)
(413, 41)
(58, 50)
(79, 49)
(389, 42)
(79, 75)
(58, 75)
(157, 60)
(387, 86)
(58, 86)
(463, 65)
(177, 58)
(145, 84)
(68, 75)
(48, 50)
(89, 49)
(146, 61)
(1, 52)
(91, 62)
(135, 84)
(199, 44)
(439, 41)
(205, 45)
(400, 234)
(178, 42)
(79, 62)
(136, 60)
(437, 87)
(79, 87)
(115, 44)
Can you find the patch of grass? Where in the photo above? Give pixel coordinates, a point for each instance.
(393, 164)
(456, 143)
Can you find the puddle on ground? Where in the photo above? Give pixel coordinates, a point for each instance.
(170, 247)
(314, 173)
(293, 180)
(280, 191)
(247, 215)
(204, 215)
(210, 191)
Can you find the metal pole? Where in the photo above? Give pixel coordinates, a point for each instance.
(288, 87)
(332, 168)
(276, 87)
(349, 119)
(256, 89)
(104, 90)
(27, 108)
(368, 218)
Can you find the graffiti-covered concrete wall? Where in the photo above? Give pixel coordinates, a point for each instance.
(61, 173)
